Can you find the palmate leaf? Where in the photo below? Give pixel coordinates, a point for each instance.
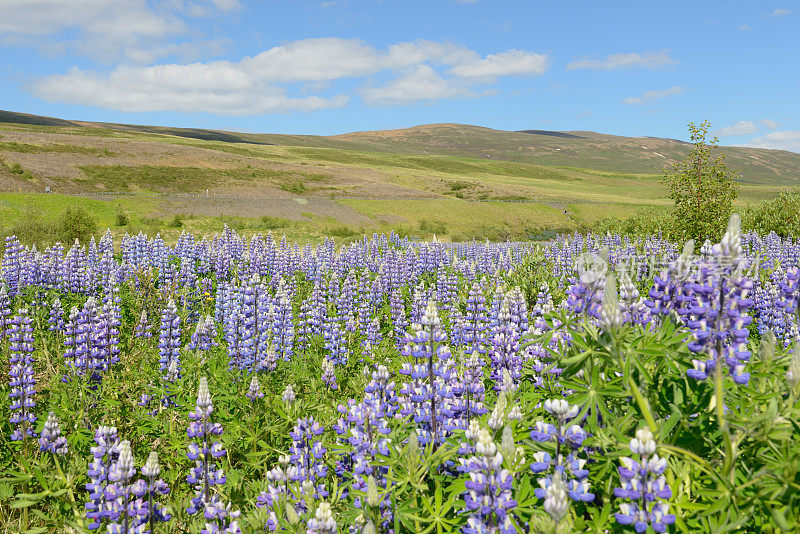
(438, 513)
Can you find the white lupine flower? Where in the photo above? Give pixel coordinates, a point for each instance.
(151, 469)
(643, 443)
(555, 502)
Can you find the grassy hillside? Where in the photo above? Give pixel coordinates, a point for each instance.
(457, 181)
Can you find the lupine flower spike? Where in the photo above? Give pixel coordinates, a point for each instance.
(643, 485)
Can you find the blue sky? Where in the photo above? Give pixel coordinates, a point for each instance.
(335, 66)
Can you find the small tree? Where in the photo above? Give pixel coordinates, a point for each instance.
(76, 224)
(703, 190)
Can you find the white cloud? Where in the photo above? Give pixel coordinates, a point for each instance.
(219, 88)
(780, 140)
(509, 63)
(738, 128)
(314, 60)
(226, 87)
(406, 54)
(781, 12)
(420, 83)
(104, 29)
(633, 60)
(649, 96)
(769, 124)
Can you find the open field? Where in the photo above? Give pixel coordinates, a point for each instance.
(278, 383)
(458, 179)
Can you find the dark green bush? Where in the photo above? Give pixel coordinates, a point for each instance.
(780, 215)
(433, 227)
(343, 231)
(122, 219)
(272, 223)
(644, 221)
(76, 223)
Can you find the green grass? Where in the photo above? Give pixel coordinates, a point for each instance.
(27, 148)
(462, 220)
(162, 179)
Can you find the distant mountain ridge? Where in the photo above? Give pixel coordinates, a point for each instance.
(586, 150)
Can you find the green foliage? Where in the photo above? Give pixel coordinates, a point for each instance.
(122, 219)
(27, 148)
(780, 215)
(76, 223)
(273, 223)
(702, 189)
(177, 221)
(644, 221)
(344, 231)
(432, 227)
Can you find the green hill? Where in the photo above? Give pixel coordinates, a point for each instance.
(460, 180)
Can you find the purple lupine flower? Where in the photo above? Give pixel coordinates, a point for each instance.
(489, 496)
(169, 338)
(56, 317)
(288, 396)
(5, 310)
(104, 454)
(469, 390)
(586, 290)
(570, 465)
(644, 487)
(51, 439)
(719, 317)
(364, 428)
(13, 274)
(254, 391)
(276, 492)
(504, 352)
(428, 397)
(328, 374)
(154, 511)
(306, 455)
(142, 329)
(672, 292)
(206, 474)
(475, 322)
(283, 328)
(790, 289)
(203, 336)
(119, 495)
(21, 378)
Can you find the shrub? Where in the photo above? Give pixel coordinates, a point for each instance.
(272, 223)
(343, 231)
(644, 221)
(122, 219)
(433, 227)
(702, 189)
(76, 223)
(780, 215)
(176, 222)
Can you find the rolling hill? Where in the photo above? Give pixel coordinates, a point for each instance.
(466, 181)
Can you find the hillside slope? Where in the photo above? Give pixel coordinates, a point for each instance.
(458, 179)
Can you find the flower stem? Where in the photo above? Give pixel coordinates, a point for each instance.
(719, 394)
(644, 406)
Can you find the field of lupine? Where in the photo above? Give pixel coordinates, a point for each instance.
(246, 384)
